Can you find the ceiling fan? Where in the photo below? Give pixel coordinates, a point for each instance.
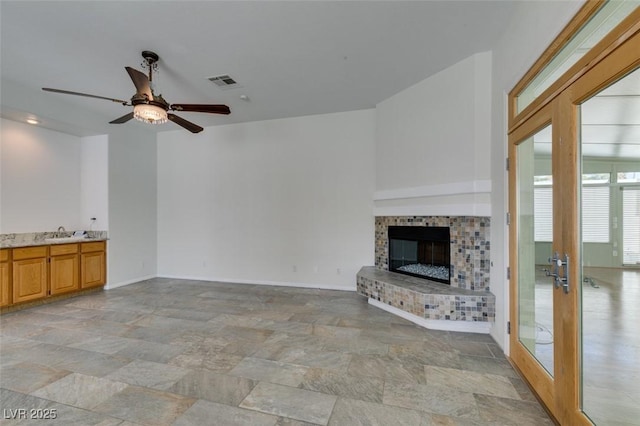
(149, 107)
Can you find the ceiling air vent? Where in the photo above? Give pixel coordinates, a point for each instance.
(224, 82)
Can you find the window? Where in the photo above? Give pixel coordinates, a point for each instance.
(631, 226)
(594, 30)
(628, 177)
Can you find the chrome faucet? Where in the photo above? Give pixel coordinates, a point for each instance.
(60, 229)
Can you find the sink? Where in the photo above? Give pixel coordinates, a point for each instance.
(65, 239)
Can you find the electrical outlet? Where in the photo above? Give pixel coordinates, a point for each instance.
(338, 271)
(295, 268)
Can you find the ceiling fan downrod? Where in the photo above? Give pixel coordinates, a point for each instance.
(150, 61)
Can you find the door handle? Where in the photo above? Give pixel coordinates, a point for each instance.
(557, 263)
(555, 267)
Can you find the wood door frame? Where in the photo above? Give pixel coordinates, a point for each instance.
(562, 394)
(618, 63)
(534, 373)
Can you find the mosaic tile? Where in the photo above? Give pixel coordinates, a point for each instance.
(424, 298)
(470, 246)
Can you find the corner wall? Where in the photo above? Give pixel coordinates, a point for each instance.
(94, 182)
(132, 206)
(432, 144)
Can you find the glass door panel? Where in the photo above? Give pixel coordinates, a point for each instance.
(535, 235)
(610, 218)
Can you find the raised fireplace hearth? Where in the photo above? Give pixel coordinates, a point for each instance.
(428, 303)
(465, 304)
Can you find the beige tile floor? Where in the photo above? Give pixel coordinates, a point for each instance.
(164, 352)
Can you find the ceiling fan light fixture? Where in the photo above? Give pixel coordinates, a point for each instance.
(150, 114)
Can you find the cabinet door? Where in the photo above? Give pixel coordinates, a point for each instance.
(65, 273)
(4, 284)
(93, 269)
(29, 279)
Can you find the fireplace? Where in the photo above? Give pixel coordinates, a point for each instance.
(420, 251)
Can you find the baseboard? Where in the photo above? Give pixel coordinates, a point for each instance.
(319, 286)
(111, 286)
(463, 326)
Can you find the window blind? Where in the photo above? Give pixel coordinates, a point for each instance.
(543, 214)
(631, 226)
(595, 214)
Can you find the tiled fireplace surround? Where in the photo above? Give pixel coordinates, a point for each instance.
(466, 299)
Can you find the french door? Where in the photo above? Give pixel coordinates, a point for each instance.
(552, 217)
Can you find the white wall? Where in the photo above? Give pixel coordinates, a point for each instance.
(94, 182)
(132, 205)
(249, 202)
(40, 179)
(51, 179)
(433, 144)
(527, 35)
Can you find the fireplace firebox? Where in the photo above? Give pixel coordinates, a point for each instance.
(421, 251)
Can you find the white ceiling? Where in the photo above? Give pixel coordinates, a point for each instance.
(292, 58)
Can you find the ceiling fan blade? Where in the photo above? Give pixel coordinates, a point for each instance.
(193, 128)
(141, 81)
(122, 119)
(214, 109)
(67, 92)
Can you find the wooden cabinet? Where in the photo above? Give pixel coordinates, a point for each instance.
(5, 274)
(30, 276)
(64, 268)
(93, 267)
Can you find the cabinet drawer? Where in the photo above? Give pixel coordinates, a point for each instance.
(60, 249)
(96, 246)
(4, 255)
(29, 252)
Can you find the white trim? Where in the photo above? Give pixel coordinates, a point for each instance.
(260, 282)
(457, 188)
(471, 209)
(465, 326)
(111, 286)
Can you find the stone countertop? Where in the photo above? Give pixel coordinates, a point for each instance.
(42, 239)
